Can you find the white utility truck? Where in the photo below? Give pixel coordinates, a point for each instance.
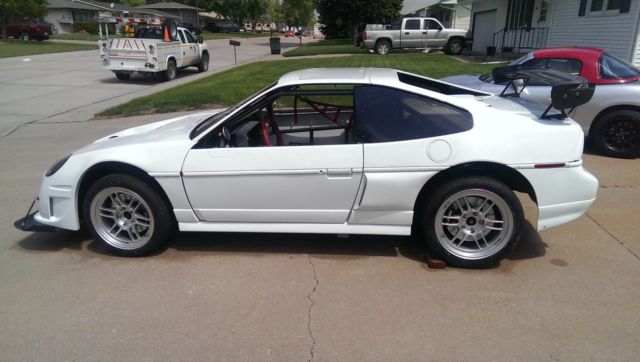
(154, 48)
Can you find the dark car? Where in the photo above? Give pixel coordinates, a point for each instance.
(36, 29)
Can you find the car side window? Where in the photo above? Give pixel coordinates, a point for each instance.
(190, 38)
(571, 66)
(301, 116)
(386, 114)
(431, 25)
(413, 24)
(535, 63)
(181, 35)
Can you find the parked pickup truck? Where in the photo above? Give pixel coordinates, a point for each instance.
(150, 53)
(417, 33)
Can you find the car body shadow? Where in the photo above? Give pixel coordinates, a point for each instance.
(328, 246)
(141, 79)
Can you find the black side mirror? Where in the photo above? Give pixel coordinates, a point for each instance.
(200, 39)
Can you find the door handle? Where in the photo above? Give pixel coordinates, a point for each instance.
(339, 173)
(424, 32)
(406, 33)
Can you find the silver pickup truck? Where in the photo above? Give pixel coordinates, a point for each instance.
(417, 33)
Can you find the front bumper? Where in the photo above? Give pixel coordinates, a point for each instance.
(29, 223)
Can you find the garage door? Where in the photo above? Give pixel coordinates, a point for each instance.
(484, 25)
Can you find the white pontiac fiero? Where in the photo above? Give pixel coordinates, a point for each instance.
(345, 151)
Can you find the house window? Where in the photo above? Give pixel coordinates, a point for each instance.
(599, 7)
(544, 9)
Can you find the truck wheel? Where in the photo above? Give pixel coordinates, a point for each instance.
(455, 46)
(123, 76)
(203, 66)
(383, 47)
(25, 36)
(172, 70)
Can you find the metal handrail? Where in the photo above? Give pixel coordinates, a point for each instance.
(514, 40)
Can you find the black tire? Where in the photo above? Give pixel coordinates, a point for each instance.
(617, 134)
(102, 214)
(455, 46)
(123, 75)
(171, 72)
(383, 47)
(478, 220)
(203, 66)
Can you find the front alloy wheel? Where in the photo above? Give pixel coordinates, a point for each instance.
(127, 215)
(122, 218)
(472, 222)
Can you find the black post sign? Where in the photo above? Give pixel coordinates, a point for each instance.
(235, 44)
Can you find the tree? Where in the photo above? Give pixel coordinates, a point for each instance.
(342, 19)
(239, 10)
(133, 2)
(20, 10)
(274, 11)
(297, 13)
(255, 10)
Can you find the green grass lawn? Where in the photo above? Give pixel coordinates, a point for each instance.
(233, 85)
(244, 34)
(16, 47)
(77, 36)
(331, 46)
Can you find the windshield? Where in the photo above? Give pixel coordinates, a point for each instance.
(204, 125)
(614, 68)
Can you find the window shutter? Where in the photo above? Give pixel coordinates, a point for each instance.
(583, 8)
(624, 6)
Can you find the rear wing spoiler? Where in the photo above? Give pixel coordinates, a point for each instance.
(568, 91)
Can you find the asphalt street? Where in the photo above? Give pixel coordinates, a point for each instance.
(69, 87)
(568, 293)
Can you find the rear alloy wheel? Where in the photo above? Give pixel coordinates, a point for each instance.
(383, 47)
(617, 134)
(455, 46)
(472, 222)
(203, 66)
(127, 216)
(171, 72)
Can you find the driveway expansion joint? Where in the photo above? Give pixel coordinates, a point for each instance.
(312, 302)
(613, 236)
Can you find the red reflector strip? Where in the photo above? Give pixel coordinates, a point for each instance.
(549, 165)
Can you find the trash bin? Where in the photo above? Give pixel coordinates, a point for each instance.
(491, 51)
(274, 42)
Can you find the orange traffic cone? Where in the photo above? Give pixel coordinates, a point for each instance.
(166, 34)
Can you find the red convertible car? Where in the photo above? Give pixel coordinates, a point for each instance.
(612, 116)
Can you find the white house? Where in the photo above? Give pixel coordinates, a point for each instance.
(64, 13)
(449, 13)
(522, 25)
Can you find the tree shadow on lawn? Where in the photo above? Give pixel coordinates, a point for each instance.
(329, 246)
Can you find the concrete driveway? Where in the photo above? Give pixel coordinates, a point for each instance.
(569, 293)
(69, 87)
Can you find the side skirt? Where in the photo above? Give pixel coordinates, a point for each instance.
(296, 228)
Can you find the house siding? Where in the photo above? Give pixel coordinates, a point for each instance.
(62, 19)
(462, 18)
(615, 32)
